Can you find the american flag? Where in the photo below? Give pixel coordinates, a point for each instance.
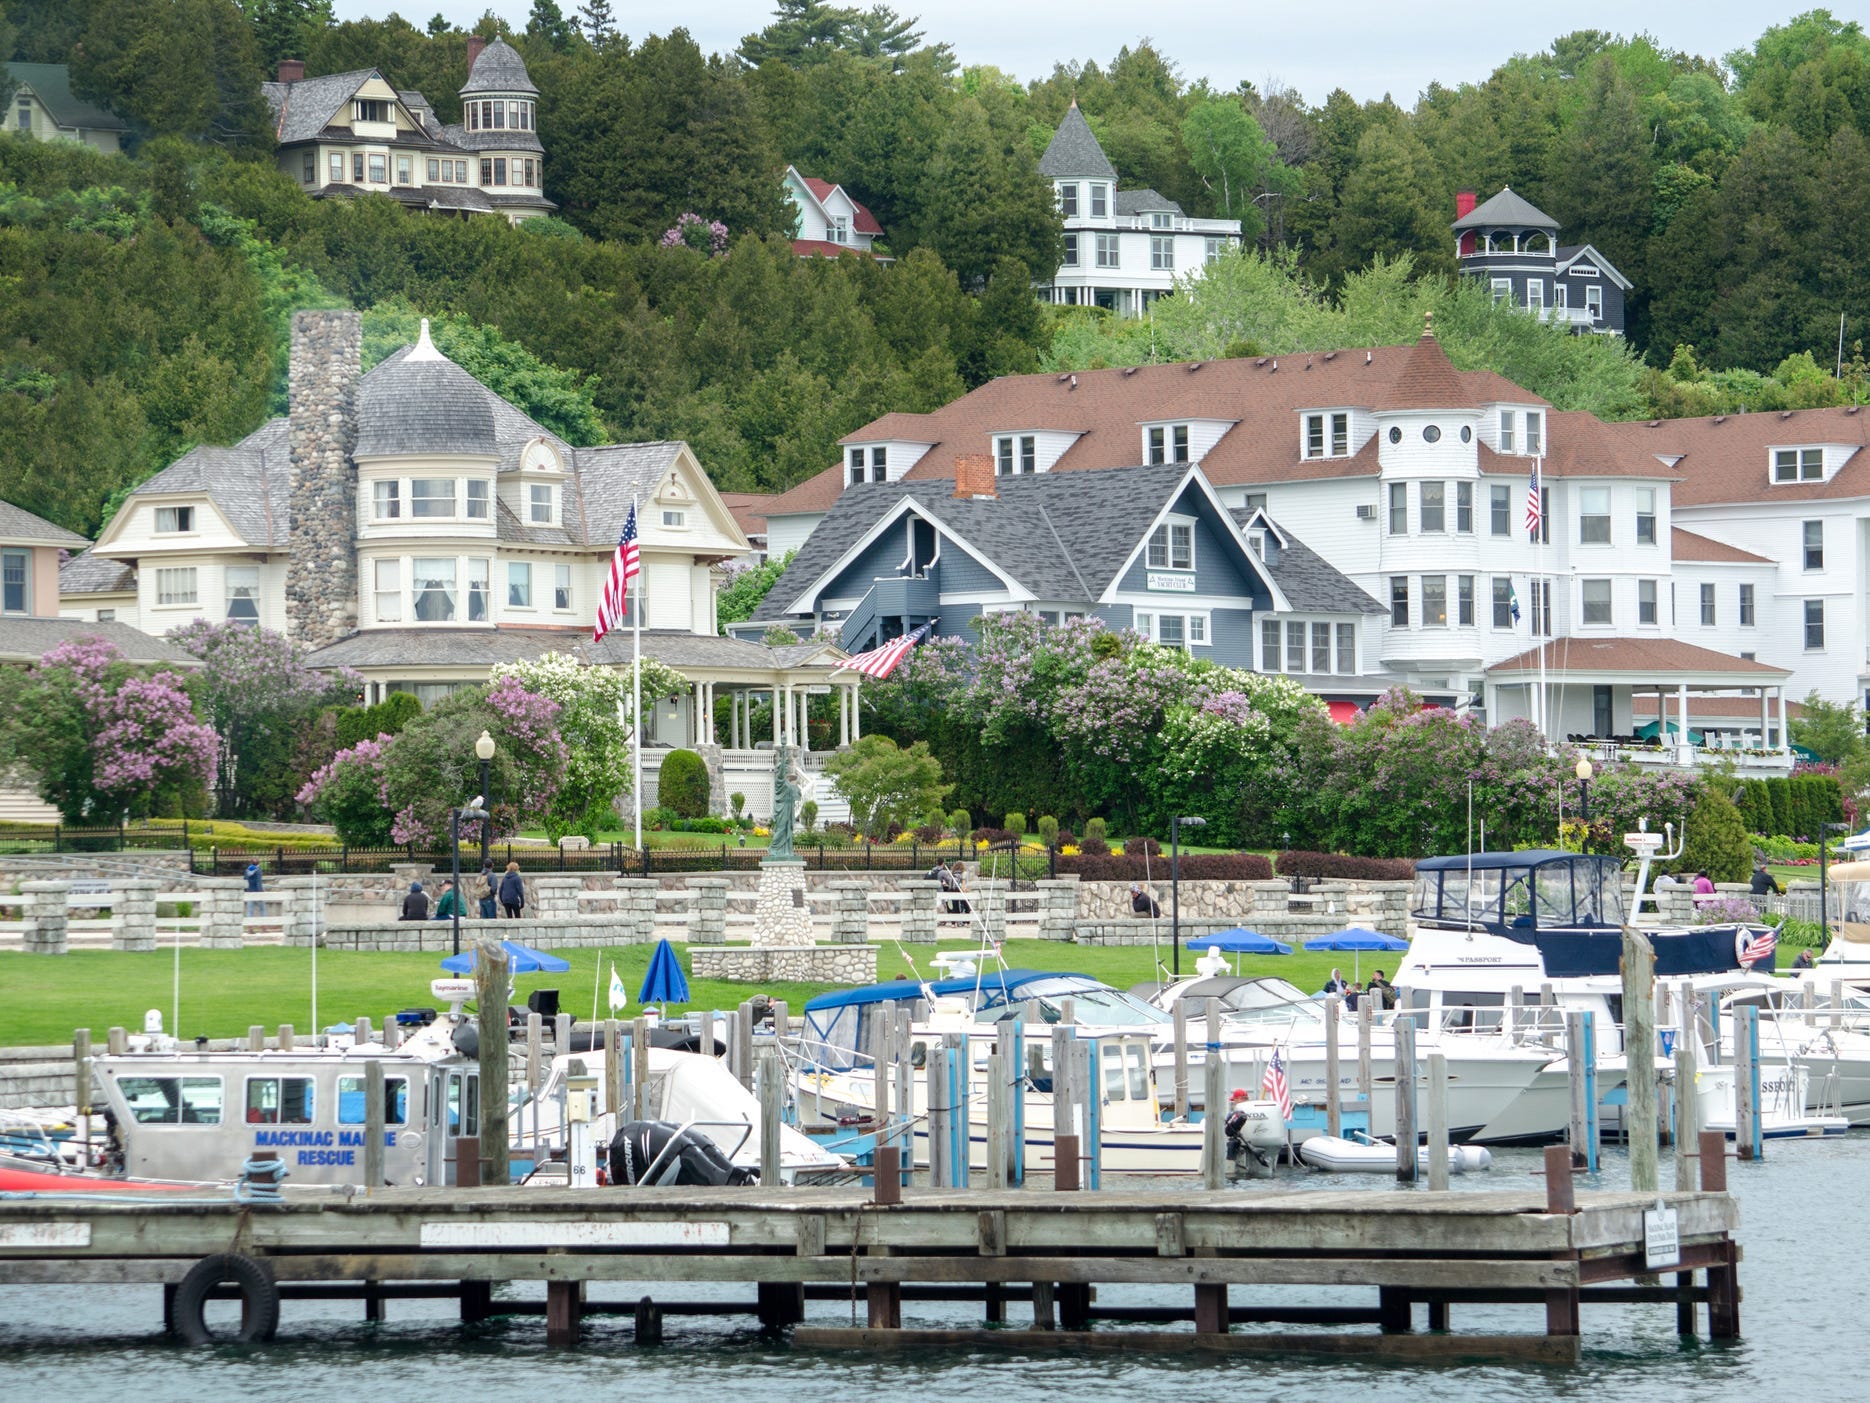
(613, 605)
(1535, 505)
(1760, 946)
(881, 662)
(1273, 1087)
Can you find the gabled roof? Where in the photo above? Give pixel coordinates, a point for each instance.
(896, 427)
(1143, 202)
(250, 483)
(303, 109)
(18, 524)
(1568, 254)
(864, 221)
(1506, 208)
(1691, 545)
(1579, 444)
(749, 509)
(1053, 536)
(1428, 380)
(1310, 583)
(25, 638)
(51, 84)
(498, 69)
(1073, 151)
(1727, 457)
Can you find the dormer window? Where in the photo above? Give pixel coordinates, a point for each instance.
(1168, 443)
(175, 520)
(879, 465)
(1161, 219)
(1068, 200)
(1535, 433)
(544, 507)
(1327, 435)
(1534, 438)
(1172, 546)
(1798, 465)
(369, 109)
(1015, 453)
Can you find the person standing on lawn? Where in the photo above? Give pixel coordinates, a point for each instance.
(512, 892)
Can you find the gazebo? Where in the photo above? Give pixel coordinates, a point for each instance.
(1586, 693)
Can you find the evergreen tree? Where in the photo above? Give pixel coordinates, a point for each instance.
(984, 202)
(597, 21)
(547, 25)
(1391, 203)
(803, 32)
(1716, 841)
(286, 28)
(180, 67)
(1602, 189)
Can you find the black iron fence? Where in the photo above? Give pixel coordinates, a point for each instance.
(64, 838)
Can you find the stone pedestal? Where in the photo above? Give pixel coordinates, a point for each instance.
(707, 912)
(919, 912)
(636, 904)
(46, 908)
(132, 915)
(552, 898)
(850, 921)
(989, 899)
(781, 916)
(223, 912)
(1058, 907)
(299, 915)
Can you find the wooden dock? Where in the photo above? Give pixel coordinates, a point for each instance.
(1387, 1251)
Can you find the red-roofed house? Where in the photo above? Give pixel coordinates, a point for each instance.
(830, 220)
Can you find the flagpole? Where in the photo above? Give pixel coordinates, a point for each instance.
(636, 694)
(1543, 594)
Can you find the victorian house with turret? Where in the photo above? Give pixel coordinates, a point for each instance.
(1512, 246)
(415, 527)
(347, 134)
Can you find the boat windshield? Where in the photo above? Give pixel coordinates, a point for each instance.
(1101, 1007)
(1549, 892)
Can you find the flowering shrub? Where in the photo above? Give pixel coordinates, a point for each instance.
(1729, 910)
(692, 231)
(351, 793)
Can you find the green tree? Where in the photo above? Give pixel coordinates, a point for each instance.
(886, 783)
(803, 32)
(286, 28)
(748, 590)
(185, 67)
(591, 706)
(598, 22)
(1234, 159)
(546, 25)
(1833, 731)
(682, 784)
(1716, 841)
(1392, 204)
(985, 201)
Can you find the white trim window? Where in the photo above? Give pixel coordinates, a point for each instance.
(1071, 251)
(1464, 508)
(478, 592)
(1812, 544)
(1594, 595)
(1068, 199)
(432, 589)
(1434, 601)
(1746, 606)
(16, 582)
(561, 588)
(1645, 516)
(1707, 605)
(175, 586)
(432, 497)
(1798, 464)
(1814, 625)
(1535, 295)
(1503, 290)
(1433, 506)
(1594, 302)
(1107, 251)
(1535, 433)
(1594, 516)
(1184, 631)
(1015, 453)
(675, 519)
(1399, 601)
(175, 521)
(519, 584)
(1100, 200)
(543, 504)
(1172, 545)
(1646, 602)
(1166, 443)
(243, 593)
(387, 500)
(1327, 435)
(1507, 420)
(1162, 253)
(388, 581)
(477, 499)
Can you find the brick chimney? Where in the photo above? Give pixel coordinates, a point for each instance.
(291, 70)
(475, 45)
(1464, 206)
(321, 431)
(973, 476)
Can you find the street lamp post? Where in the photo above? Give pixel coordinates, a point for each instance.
(1175, 883)
(483, 748)
(1825, 830)
(475, 810)
(1583, 772)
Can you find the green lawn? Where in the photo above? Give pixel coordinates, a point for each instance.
(43, 998)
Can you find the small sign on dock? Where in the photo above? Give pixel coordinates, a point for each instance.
(1662, 1239)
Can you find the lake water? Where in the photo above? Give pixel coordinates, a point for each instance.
(1804, 1228)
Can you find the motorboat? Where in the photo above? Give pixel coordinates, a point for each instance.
(834, 1081)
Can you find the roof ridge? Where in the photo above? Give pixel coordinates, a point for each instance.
(1070, 560)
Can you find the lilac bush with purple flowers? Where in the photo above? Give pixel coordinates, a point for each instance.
(704, 236)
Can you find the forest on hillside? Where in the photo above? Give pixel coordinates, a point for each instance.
(146, 296)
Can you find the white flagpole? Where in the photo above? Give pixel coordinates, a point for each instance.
(636, 684)
(1542, 594)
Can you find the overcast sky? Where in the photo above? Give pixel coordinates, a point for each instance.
(1369, 47)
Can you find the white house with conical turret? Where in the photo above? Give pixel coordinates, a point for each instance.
(348, 134)
(1123, 248)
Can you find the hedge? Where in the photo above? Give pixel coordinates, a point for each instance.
(1342, 865)
(682, 784)
(1791, 806)
(1213, 867)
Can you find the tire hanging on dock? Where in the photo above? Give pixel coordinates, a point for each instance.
(259, 1300)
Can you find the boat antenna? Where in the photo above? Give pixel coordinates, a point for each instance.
(315, 952)
(1470, 851)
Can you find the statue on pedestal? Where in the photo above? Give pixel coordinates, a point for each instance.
(785, 800)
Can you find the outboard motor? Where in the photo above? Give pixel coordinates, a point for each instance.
(658, 1152)
(1239, 1150)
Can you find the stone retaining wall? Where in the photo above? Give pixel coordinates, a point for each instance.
(545, 934)
(816, 964)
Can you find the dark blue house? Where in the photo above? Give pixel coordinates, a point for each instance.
(1512, 246)
(1149, 548)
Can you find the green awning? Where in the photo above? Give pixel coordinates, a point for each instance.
(1652, 729)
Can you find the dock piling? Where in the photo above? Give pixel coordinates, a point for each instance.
(1639, 1055)
(1179, 1011)
(999, 1096)
(1437, 1121)
(490, 970)
(1334, 1113)
(256, 1038)
(1363, 1054)
(1687, 1103)
(1408, 1165)
(374, 1119)
(1213, 1099)
(1748, 1143)
(772, 1086)
(613, 1069)
(1581, 1069)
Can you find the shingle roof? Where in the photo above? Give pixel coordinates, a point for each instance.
(250, 483)
(457, 135)
(303, 109)
(498, 69)
(419, 401)
(749, 509)
(484, 647)
(18, 524)
(1052, 535)
(1506, 208)
(1728, 457)
(864, 223)
(1656, 658)
(1691, 545)
(1428, 380)
(1144, 201)
(86, 573)
(1073, 150)
(1579, 444)
(612, 477)
(27, 639)
(1310, 583)
(51, 84)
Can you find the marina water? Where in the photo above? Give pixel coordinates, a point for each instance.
(1804, 1231)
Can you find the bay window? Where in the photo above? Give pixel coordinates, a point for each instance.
(433, 584)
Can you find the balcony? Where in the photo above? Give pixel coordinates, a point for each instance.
(1748, 762)
(900, 597)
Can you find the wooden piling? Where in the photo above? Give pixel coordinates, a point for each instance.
(1724, 1277)
(1363, 1053)
(1213, 1100)
(81, 1073)
(361, 1032)
(935, 1098)
(772, 1103)
(1334, 1113)
(1065, 1163)
(561, 1035)
(1064, 1104)
(490, 978)
(999, 1108)
(467, 1162)
(375, 1117)
(117, 1042)
(613, 1069)
(1408, 1165)
(1179, 1014)
(1748, 1142)
(1639, 1056)
(1687, 1101)
(639, 1069)
(1577, 1122)
(535, 1050)
(648, 1322)
(1437, 1121)
(884, 1052)
(704, 1041)
(1561, 1198)
(743, 1044)
(905, 1093)
(961, 1097)
(888, 1176)
(564, 1312)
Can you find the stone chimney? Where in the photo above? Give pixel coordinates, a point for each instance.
(321, 430)
(973, 476)
(475, 45)
(291, 70)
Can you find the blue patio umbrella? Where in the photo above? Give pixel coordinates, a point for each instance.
(665, 982)
(1356, 939)
(520, 959)
(1240, 941)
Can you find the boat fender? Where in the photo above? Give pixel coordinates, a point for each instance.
(259, 1299)
(1744, 940)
